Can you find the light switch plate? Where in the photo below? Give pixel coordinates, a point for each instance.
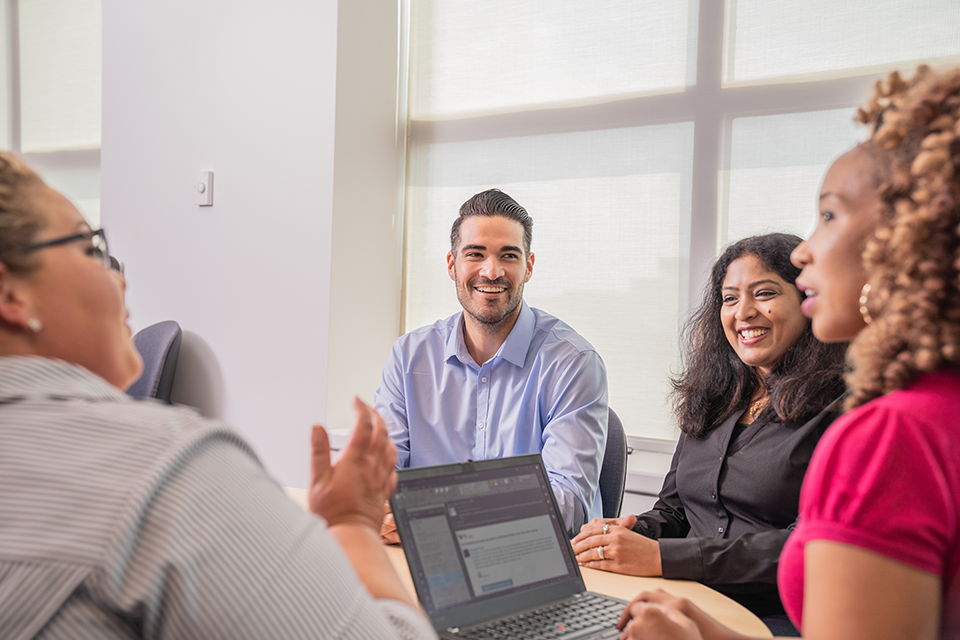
(204, 189)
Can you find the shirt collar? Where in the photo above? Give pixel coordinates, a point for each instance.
(514, 348)
(32, 377)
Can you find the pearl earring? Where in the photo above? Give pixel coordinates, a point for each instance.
(35, 325)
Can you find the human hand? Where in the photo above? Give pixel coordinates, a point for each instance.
(658, 614)
(623, 550)
(355, 489)
(648, 621)
(388, 530)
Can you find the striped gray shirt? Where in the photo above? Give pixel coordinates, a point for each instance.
(125, 519)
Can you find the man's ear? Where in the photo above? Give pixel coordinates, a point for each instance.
(14, 304)
(451, 266)
(530, 260)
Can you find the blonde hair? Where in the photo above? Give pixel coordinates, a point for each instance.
(913, 257)
(19, 224)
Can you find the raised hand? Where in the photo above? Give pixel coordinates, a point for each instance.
(355, 489)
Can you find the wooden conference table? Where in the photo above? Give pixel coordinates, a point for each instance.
(725, 610)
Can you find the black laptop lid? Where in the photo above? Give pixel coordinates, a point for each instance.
(483, 539)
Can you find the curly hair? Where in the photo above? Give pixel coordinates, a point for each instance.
(18, 223)
(913, 256)
(715, 382)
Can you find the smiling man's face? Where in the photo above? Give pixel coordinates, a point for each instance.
(490, 269)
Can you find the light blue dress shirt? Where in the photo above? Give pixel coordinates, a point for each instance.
(544, 391)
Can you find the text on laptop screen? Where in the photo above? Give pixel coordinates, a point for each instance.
(482, 538)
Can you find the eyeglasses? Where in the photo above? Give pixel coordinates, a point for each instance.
(98, 247)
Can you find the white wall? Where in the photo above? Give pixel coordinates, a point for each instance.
(247, 89)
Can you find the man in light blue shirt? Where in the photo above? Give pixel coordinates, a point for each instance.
(499, 378)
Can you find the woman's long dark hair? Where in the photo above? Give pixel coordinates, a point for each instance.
(715, 383)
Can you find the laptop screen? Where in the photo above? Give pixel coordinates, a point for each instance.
(479, 536)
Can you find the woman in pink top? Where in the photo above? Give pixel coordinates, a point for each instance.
(876, 553)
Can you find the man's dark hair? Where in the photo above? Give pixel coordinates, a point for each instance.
(490, 203)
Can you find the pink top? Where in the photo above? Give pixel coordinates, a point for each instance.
(886, 477)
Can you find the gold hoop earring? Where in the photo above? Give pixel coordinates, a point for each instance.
(35, 325)
(863, 304)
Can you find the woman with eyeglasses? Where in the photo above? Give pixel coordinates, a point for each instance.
(122, 518)
(876, 552)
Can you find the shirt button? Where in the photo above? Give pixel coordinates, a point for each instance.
(720, 530)
(483, 379)
(480, 425)
(713, 495)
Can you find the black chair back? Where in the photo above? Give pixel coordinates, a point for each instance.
(613, 471)
(159, 346)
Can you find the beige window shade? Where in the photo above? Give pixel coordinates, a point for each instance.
(628, 132)
(477, 58)
(776, 165)
(773, 39)
(60, 74)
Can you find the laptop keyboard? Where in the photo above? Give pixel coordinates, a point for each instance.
(585, 615)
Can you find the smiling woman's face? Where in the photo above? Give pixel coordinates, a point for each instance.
(760, 314)
(78, 300)
(833, 275)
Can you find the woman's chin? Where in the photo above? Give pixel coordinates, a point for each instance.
(827, 330)
(132, 372)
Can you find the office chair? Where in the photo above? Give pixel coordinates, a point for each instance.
(613, 470)
(159, 346)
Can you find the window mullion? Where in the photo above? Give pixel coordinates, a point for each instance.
(12, 38)
(707, 149)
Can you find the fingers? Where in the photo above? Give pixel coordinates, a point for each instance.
(363, 430)
(356, 489)
(593, 528)
(370, 437)
(319, 456)
(595, 555)
(371, 449)
(627, 522)
(388, 531)
(390, 538)
(591, 537)
(658, 597)
(650, 620)
(592, 560)
(391, 481)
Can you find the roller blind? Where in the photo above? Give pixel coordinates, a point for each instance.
(60, 75)
(773, 40)
(642, 137)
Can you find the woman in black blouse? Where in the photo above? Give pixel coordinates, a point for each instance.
(756, 394)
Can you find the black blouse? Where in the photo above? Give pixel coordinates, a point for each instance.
(729, 502)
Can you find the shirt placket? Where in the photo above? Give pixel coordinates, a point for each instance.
(720, 527)
(483, 411)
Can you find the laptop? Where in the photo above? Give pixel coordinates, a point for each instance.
(489, 556)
